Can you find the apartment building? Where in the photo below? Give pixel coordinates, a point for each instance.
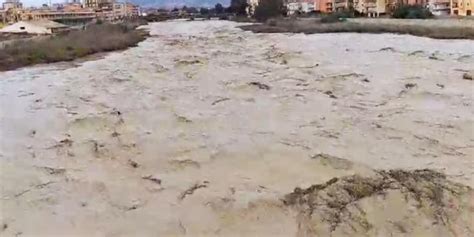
(371, 8)
(12, 4)
(339, 5)
(300, 6)
(462, 7)
(325, 6)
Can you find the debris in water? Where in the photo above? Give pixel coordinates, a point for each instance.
(468, 76)
(333, 161)
(330, 94)
(185, 163)
(183, 119)
(115, 134)
(434, 57)
(153, 179)
(260, 85)
(133, 164)
(220, 100)
(417, 52)
(191, 189)
(39, 186)
(53, 171)
(336, 204)
(410, 85)
(390, 49)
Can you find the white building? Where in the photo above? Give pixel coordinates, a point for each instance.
(371, 8)
(439, 7)
(300, 6)
(15, 4)
(41, 27)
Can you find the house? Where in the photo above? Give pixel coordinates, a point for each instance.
(12, 4)
(324, 6)
(299, 6)
(371, 8)
(41, 27)
(341, 5)
(462, 7)
(439, 7)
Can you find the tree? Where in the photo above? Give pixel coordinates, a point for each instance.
(219, 8)
(184, 9)
(192, 10)
(239, 7)
(268, 9)
(204, 11)
(412, 12)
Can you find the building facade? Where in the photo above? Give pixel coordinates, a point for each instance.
(324, 6)
(12, 4)
(371, 8)
(300, 6)
(462, 7)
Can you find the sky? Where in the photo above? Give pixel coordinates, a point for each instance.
(36, 3)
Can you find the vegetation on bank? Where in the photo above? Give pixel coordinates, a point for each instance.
(69, 46)
(267, 9)
(316, 26)
(412, 12)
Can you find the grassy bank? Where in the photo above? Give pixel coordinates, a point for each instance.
(69, 46)
(316, 26)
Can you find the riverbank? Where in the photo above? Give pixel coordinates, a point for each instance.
(73, 45)
(437, 29)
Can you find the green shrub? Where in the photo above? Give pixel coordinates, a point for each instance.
(412, 12)
(337, 16)
(272, 22)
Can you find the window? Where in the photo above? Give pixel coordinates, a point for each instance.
(22, 28)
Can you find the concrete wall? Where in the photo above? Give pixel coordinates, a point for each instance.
(25, 27)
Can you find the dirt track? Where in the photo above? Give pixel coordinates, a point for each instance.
(203, 129)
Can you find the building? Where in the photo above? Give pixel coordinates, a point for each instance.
(42, 27)
(96, 4)
(79, 16)
(439, 7)
(325, 6)
(462, 7)
(12, 4)
(412, 2)
(340, 5)
(371, 8)
(252, 5)
(115, 11)
(300, 6)
(132, 10)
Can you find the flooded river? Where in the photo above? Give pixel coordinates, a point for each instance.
(203, 128)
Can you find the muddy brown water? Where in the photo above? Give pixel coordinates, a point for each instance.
(202, 130)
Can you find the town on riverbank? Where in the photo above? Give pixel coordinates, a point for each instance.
(77, 11)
